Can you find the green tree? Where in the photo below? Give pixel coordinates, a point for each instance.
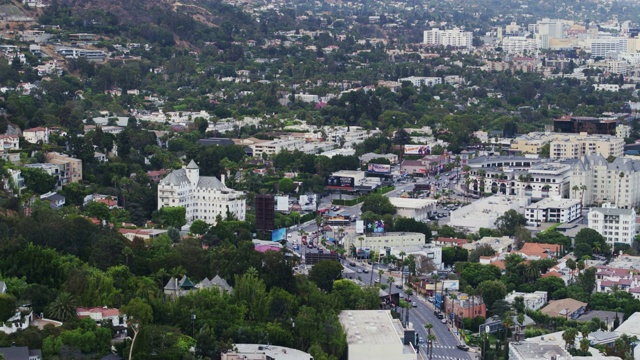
(492, 291)
(38, 181)
(199, 227)
(509, 222)
(286, 186)
(7, 307)
(174, 216)
(324, 273)
(378, 204)
(569, 336)
(98, 210)
(138, 311)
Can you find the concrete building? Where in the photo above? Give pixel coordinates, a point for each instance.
(36, 135)
(378, 241)
(51, 169)
(70, 168)
(603, 48)
(453, 37)
(623, 131)
(203, 197)
(484, 212)
(376, 335)
(519, 45)
(465, 306)
(618, 226)
(264, 352)
(144, 234)
(366, 158)
(599, 181)
(550, 346)
(419, 81)
(555, 210)
(273, 147)
(574, 146)
(418, 209)
(521, 176)
(532, 301)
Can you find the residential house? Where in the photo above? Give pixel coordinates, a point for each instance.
(144, 234)
(539, 251)
(21, 353)
(217, 282)
(55, 200)
(37, 135)
(566, 308)
(9, 142)
(450, 242)
(532, 301)
(179, 287)
(498, 244)
(103, 315)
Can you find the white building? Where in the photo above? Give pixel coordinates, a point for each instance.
(616, 225)
(519, 45)
(498, 244)
(600, 182)
(623, 131)
(262, 352)
(484, 212)
(378, 241)
(376, 335)
(9, 142)
(453, 37)
(273, 147)
(532, 301)
(555, 210)
(608, 46)
(103, 315)
(418, 209)
(37, 134)
(204, 197)
(418, 81)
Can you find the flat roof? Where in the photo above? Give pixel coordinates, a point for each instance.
(275, 352)
(374, 327)
(411, 203)
(547, 203)
(630, 326)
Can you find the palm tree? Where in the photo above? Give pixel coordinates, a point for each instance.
(575, 189)
(63, 308)
(585, 344)
(583, 188)
(436, 277)
(571, 264)
(402, 254)
(431, 338)
(390, 281)
(569, 336)
(618, 198)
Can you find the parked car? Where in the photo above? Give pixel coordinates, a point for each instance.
(463, 347)
(444, 321)
(399, 286)
(359, 271)
(366, 271)
(352, 264)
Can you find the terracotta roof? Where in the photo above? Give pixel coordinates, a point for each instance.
(106, 312)
(457, 242)
(540, 249)
(35, 129)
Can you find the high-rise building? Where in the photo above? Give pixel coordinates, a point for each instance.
(265, 213)
(608, 46)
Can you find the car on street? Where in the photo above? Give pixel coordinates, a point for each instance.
(440, 316)
(366, 271)
(414, 304)
(444, 321)
(463, 347)
(399, 286)
(359, 271)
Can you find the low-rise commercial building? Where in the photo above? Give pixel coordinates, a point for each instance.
(377, 241)
(484, 212)
(376, 335)
(418, 209)
(264, 352)
(498, 244)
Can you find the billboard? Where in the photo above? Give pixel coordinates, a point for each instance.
(282, 203)
(360, 227)
(379, 168)
(375, 226)
(339, 182)
(417, 149)
(279, 234)
(308, 202)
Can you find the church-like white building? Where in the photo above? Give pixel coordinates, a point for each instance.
(204, 197)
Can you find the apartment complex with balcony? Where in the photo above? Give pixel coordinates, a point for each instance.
(453, 37)
(554, 210)
(573, 146)
(618, 226)
(70, 169)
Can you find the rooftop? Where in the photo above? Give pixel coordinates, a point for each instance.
(409, 203)
(548, 203)
(271, 351)
(562, 307)
(371, 327)
(630, 326)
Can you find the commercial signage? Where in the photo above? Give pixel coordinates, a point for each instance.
(379, 168)
(339, 182)
(375, 226)
(417, 149)
(279, 234)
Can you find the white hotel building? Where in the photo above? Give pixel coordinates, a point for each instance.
(204, 197)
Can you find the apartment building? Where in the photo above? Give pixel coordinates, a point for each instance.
(9, 142)
(572, 146)
(618, 226)
(203, 197)
(519, 45)
(608, 46)
(453, 37)
(599, 181)
(70, 169)
(555, 210)
(53, 170)
(419, 81)
(273, 147)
